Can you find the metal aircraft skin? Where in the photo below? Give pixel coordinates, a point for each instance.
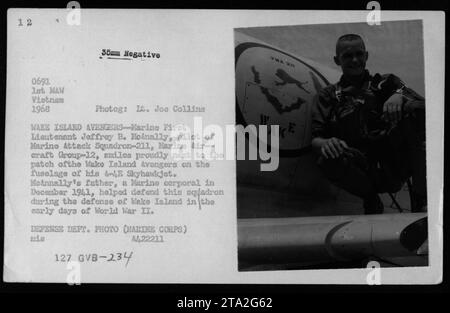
(293, 217)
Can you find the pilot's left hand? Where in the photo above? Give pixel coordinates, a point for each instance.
(393, 108)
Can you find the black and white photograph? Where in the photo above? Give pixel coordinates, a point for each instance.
(350, 186)
(238, 147)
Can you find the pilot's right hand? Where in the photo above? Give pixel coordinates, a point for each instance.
(333, 148)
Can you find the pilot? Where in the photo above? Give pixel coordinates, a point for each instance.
(369, 131)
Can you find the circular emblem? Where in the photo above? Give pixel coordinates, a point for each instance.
(275, 88)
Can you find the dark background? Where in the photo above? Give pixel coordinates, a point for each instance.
(166, 295)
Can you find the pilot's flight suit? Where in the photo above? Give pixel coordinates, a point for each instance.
(381, 156)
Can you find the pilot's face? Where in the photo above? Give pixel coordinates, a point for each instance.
(352, 57)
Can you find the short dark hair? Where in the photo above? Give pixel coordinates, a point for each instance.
(348, 37)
